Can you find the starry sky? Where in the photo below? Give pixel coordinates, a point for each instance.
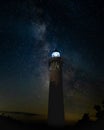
(29, 31)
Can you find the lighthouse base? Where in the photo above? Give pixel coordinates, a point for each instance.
(55, 105)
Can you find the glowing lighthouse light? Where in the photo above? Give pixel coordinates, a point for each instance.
(55, 54)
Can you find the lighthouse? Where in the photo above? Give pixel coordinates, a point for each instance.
(55, 102)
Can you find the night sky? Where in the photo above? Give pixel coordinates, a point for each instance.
(29, 31)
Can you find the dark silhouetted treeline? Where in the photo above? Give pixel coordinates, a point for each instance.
(85, 123)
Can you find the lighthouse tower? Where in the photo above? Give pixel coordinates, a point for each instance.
(56, 103)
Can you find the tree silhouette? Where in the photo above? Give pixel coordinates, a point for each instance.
(86, 117)
(99, 115)
(99, 112)
(85, 122)
(103, 104)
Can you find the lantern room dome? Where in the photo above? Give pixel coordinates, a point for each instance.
(55, 54)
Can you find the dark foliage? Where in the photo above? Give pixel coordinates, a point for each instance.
(85, 123)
